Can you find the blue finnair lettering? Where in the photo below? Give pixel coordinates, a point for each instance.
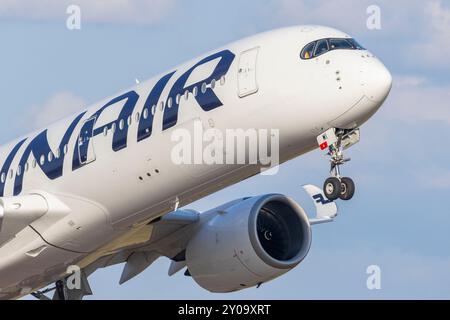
(207, 100)
(320, 199)
(88, 131)
(7, 165)
(146, 123)
(39, 146)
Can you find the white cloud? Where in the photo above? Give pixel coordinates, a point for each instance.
(400, 16)
(415, 102)
(408, 81)
(417, 31)
(98, 11)
(350, 15)
(57, 106)
(320, 12)
(434, 50)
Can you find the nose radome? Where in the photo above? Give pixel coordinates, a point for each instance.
(376, 80)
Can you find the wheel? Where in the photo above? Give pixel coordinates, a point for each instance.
(347, 189)
(332, 188)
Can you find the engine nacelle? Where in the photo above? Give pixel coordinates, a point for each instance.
(247, 242)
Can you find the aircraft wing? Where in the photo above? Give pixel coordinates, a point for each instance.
(18, 212)
(167, 236)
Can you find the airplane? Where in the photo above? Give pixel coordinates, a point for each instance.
(100, 187)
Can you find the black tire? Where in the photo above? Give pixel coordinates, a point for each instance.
(332, 188)
(347, 189)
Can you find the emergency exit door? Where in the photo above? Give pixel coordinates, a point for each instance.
(85, 143)
(247, 82)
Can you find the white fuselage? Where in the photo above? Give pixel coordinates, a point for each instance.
(111, 182)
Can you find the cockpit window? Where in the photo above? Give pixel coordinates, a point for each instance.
(355, 44)
(340, 44)
(307, 51)
(321, 46)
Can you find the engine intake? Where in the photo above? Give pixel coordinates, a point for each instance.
(278, 234)
(248, 241)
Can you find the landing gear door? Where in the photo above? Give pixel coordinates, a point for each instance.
(247, 83)
(85, 143)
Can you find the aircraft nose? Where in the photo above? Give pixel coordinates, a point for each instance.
(376, 80)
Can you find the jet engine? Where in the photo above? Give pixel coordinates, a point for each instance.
(247, 242)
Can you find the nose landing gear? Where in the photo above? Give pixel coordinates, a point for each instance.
(336, 141)
(339, 187)
(347, 188)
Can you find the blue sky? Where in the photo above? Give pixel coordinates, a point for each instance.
(399, 218)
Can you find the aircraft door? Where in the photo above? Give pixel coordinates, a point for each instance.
(247, 82)
(85, 144)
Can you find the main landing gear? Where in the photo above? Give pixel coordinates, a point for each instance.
(336, 141)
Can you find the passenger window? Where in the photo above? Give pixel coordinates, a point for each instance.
(222, 80)
(105, 131)
(137, 117)
(153, 110)
(50, 157)
(186, 94)
(161, 105)
(321, 47)
(66, 147)
(307, 52)
(33, 163)
(129, 120)
(177, 100)
(11, 173)
(145, 113)
(27, 166)
(19, 170)
(195, 91)
(340, 44)
(169, 103)
(3, 177)
(113, 127)
(121, 124)
(42, 160)
(213, 83)
(203, 87)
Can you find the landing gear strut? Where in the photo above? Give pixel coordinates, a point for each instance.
(336, 141)
(64, 292)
